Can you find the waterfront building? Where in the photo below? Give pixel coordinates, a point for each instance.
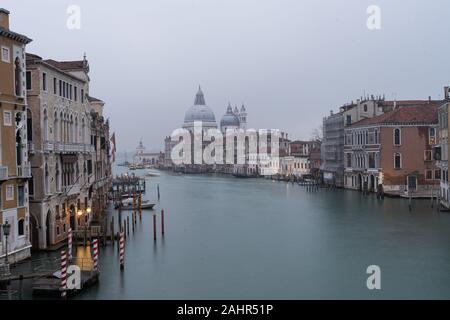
(332, 149)
(297, 166)
(394, 150)
(310, 150)
(143, 157)
(441, 150)
(101, 160)
(14, 163)
(332, 155)
(63, 155)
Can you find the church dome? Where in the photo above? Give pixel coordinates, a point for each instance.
(229, 119)
(200, 112)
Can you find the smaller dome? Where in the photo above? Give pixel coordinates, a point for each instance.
(229, 119)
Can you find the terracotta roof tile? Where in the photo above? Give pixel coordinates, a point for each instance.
(421, 113)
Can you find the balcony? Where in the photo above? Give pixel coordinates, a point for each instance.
(71, 190)
(31, 147)
(3, 173)
(24, 171)
(48, 146)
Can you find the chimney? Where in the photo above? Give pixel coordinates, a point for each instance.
(4, 18)
(446, 93)
(429, 99)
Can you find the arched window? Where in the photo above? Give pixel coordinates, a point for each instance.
(29, 125)
(397, 160)
(61, 127)
(397, 137)
(17, 77)
(46, 179)
(55, 127)
(76, 133)
(83, 131)
(19, 147)
(58, 178)
(45, 126)
(21, 227)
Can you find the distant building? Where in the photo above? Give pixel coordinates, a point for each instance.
(394, 150)
(142, 157)
(14, 164)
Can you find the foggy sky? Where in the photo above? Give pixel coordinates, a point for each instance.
(290, 62)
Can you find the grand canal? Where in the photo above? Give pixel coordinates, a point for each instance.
(228, 238)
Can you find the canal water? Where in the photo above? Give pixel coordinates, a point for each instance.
(229, 238)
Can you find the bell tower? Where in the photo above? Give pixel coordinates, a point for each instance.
(243, 118)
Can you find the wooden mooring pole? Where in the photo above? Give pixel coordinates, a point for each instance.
(162, 222)
(154, 227)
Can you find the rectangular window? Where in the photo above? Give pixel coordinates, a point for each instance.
(5, 55)
(55, 85)
(70, 91)
(397, 161)
(349, 160)
(28, 78)
(429, 174)
(9, 192)
(428, 155)
(44, 81)
(82, 95)
(432, 136)
(7, 118)
(20, 196)
(437, 174)
(349, 120)
(75, 93)
(60, 88)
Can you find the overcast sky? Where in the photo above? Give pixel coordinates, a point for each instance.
(290, 62)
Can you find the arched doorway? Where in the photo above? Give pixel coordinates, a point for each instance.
(34, 233)
(47, 230)
(372, 183)
(360, 182)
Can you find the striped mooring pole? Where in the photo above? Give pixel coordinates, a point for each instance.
(122, 251)
(63, 274)
(95, 253)
(69, 243)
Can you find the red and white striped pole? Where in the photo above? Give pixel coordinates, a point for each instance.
(95, 253)
(63, 274)
(69, 240)
(122, 251)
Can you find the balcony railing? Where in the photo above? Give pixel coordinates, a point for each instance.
(24, 171)
(3, 173)
(48, 146)
(69, 147)
(31, 147)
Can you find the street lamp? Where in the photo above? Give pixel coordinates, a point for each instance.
(6, 229)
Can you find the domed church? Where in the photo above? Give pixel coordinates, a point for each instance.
(234, 119)
(199, 112)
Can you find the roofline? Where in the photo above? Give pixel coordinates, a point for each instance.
(14, 36)
(50, 66)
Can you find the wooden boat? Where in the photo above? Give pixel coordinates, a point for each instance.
(152, 174)
(127, 204)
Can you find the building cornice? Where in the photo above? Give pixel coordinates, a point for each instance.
(14, 36)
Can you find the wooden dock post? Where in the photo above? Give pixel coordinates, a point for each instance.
(128, 225)
(154, 227)
(158, 191)
(162, 222)
(410, 202)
